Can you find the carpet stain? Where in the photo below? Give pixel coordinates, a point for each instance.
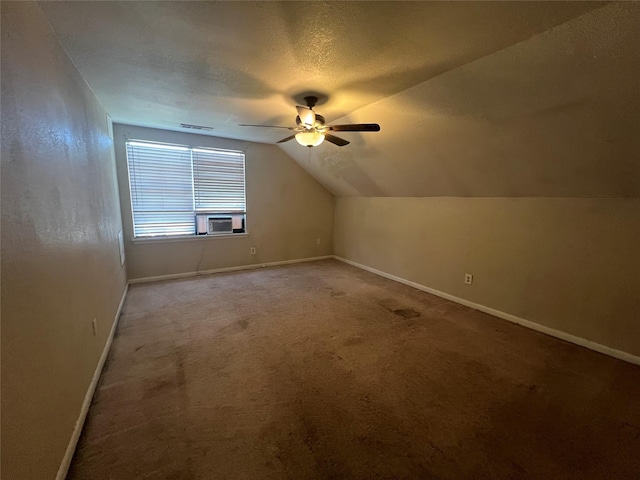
(350, 342)
(337, 293)
(243, 323)
(407, 313)
(311, 437)
(391, 305)
(161, 386)
(531, 389)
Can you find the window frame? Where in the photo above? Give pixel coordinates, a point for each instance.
(194, 212)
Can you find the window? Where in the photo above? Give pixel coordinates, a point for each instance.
(179, 190)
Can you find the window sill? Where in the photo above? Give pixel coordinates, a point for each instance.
(186, 238)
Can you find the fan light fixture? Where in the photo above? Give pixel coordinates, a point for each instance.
(312, 130)
(309, 138)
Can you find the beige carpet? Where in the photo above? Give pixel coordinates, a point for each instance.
(321, 371)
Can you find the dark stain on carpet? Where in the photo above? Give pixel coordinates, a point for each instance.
(392, 306)
(407, 313)
(349, 342)
(243, 323)
(161, 386)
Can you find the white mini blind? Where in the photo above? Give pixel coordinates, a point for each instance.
(218, 181)
(170, 183)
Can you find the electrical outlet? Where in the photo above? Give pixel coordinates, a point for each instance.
(318, 241)
(468, 278)
(253, 250)
(94, 324)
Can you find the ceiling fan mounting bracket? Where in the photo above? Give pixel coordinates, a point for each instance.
(300, 98)
(311, 101)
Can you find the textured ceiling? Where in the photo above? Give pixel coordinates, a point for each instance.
(555, 116)
(475, 98)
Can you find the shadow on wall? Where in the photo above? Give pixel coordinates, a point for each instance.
(341, 165)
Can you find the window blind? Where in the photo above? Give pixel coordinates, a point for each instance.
(218, 181)
(170, 183)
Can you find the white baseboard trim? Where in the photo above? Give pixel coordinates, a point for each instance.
(75, 436)
(226, 269)
(583, 342)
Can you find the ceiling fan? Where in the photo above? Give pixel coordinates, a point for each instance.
(312, 130)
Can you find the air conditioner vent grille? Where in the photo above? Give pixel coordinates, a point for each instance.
(195, 127)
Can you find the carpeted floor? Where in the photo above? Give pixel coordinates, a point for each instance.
(322, 371)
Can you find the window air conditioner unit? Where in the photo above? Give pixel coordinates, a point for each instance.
(219, 224)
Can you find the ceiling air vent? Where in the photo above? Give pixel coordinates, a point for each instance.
(196, 127)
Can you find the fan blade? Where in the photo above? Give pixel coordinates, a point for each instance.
(356, 127)
(268, 126)
(307, 116)
(335, 140)
(286, 139)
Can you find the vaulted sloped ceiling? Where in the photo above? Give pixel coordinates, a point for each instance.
(474, 99)
(557, 115)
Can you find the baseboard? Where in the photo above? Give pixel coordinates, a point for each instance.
(226, 269)
(71, 448)
(583, 342)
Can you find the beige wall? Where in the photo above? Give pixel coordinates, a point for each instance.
(571, 264)
(60, 259)
(287, 211)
